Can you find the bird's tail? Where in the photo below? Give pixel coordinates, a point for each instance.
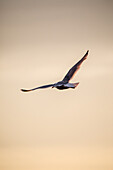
(75, 84)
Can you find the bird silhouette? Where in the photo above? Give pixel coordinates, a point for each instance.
(64, 84)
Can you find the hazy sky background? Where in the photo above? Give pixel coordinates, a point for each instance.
(40, 41)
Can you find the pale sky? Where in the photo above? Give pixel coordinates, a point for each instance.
(40, 41)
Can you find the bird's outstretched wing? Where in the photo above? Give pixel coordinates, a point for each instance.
(75, 68)
(41, 87)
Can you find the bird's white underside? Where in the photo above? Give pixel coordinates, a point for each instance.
(70, 85)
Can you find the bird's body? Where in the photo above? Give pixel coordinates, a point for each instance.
(64, 84)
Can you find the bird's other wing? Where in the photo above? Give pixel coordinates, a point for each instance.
(75, 68)
(41, 87)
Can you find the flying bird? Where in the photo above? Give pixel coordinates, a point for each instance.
(64, 84)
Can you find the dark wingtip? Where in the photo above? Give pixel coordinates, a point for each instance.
(23, 90)
(85, 56)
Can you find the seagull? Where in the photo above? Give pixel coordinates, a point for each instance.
(64, 84)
